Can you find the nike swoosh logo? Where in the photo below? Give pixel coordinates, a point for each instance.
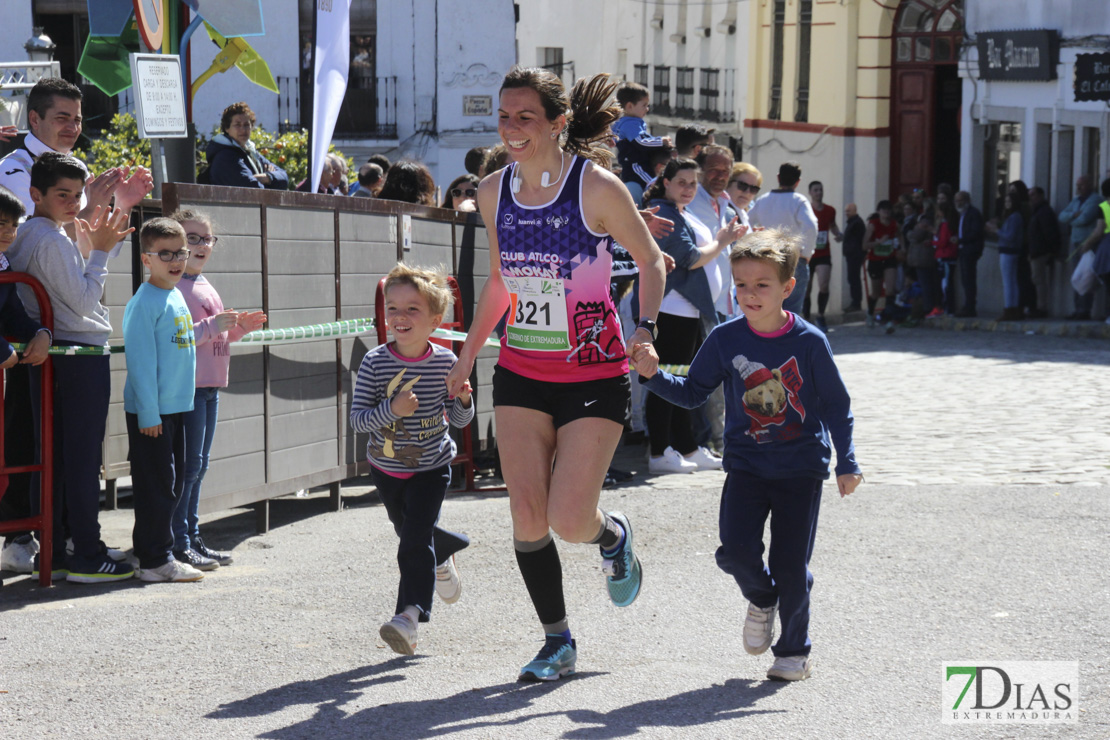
(590, 403)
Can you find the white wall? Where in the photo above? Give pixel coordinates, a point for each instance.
(15, 30)
(437, 63)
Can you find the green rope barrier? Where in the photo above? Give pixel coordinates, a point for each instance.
(310, 333)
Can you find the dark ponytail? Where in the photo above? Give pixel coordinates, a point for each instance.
(592, 112)
(658, 189)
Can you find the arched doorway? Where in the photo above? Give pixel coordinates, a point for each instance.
(925, 95)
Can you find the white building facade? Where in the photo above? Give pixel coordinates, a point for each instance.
(692, 56)
(1022, 118)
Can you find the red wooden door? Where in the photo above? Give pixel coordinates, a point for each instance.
(911, 139)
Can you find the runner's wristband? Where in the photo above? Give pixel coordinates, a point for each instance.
(650, 327)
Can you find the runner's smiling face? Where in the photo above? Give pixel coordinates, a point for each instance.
(523, 125)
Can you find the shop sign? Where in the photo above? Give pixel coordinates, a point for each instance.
(1092, 76)
(1018, 55)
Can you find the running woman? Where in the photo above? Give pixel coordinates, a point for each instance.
(560, 388)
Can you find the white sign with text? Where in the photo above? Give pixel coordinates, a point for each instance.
(159, 96)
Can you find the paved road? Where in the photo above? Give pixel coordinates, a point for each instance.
(945, 554)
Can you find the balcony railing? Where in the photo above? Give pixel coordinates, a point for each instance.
(369, 109)
(708, 96)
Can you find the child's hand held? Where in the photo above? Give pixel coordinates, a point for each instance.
(644, 359)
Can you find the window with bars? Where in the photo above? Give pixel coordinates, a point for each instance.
(684, 91)
(661, 90)
(774, 111)
(551, 57)
(710, 107)
(640, 74)
(805, 22)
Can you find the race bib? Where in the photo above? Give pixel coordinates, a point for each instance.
(537, 314)
(822, 238)
(884, 248)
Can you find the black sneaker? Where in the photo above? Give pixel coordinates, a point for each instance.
(195, 559)
(58, 567)
(97, 569)
(223, 558)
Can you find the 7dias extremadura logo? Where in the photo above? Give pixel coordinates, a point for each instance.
(1009, 691)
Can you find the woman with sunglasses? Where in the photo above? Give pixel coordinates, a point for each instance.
(744, 184)
(560, 387)
(462, 194)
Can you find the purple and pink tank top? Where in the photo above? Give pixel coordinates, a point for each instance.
(562, 326)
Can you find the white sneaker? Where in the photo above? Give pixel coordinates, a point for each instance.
(18, 555)
(705, 460)
(793, 668)
(670, 462)
(400, 634)
(448, 583)
(759, 628)
(173, 571)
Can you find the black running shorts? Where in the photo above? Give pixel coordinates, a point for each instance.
(564, 402)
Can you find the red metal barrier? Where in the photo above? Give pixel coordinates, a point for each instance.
(466, 456)
(45, 468)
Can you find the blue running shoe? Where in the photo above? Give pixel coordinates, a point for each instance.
(623, 567)
(555, 659)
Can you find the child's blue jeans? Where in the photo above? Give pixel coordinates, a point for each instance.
(793, 505)
(200, 428)
(413, 506)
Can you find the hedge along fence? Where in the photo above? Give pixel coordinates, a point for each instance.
(303, 259)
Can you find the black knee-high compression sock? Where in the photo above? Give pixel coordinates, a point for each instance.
(822, 302)
(871, 305)
(543, 577)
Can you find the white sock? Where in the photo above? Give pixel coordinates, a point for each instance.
(413, 613)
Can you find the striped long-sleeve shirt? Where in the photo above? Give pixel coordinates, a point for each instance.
(417, 442)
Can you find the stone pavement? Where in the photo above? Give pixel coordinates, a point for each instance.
(940, 556)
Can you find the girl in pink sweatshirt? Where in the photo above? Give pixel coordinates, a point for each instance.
(215, 328)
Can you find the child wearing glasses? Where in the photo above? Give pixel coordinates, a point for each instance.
(73, 274)
(214, 328)
(161, 365)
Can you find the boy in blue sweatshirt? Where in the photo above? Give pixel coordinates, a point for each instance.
(784, 400)
(635, 146)
(161, 367)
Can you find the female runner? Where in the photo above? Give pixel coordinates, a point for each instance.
(560, 388)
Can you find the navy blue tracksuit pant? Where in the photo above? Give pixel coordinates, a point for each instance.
(158, 478)
(793, 505)
(413, 506)
(82, 386)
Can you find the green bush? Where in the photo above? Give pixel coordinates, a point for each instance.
(120, 146)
